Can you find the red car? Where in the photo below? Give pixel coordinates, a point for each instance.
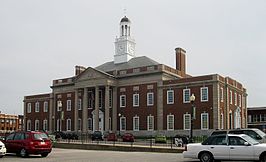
(111, 137)
(24, 143)
(128, 137)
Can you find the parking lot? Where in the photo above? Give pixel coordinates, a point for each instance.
(74, 155)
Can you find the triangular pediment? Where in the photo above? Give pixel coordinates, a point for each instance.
(92, 74)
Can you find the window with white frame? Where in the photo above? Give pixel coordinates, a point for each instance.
(135, 123)
(37, 107)
(45, 106)
(79, 104)
(170, 96)
(222, 94)
(150, 123)
(68, 105)
(59, 105)
(28, 125)
(37, 125)
(89, 123)
(239, 100)
(122, 100)
(135, 100)
(122, 123)
(231, 97)
(204, 121)
(204, 94)
(79, 124)
(235, 98)
(186, 95)
(150, 99)
(187, 120)
(68, 124)
(45, 125)
(170, 122)
(222, 121)
(29, 108)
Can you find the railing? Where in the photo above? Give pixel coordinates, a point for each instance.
(170, 142)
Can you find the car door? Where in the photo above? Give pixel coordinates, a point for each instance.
(219, 147)
(238, 150)
(9, 142)
(18, 141)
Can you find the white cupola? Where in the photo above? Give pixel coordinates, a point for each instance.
(125, 44)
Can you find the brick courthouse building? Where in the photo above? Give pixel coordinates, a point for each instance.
(138, 95)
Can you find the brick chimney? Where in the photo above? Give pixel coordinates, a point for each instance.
(181, 61)
(79, 69)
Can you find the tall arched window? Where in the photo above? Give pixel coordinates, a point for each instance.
(29, 125)
(237, 118)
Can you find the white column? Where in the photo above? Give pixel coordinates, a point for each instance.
(114, 109)
(76, 111)
(96, 120)
(106, 113)
(51, 116)
(85, 111)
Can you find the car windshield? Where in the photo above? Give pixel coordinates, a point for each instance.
(262, 134)
(250, 140)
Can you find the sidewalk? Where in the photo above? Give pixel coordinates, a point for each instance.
(118, 147)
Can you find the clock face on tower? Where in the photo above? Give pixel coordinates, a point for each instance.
(131, 48)
(120, 48)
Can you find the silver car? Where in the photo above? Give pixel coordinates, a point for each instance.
(227, 147)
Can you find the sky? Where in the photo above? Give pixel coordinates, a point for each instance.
(43, 40)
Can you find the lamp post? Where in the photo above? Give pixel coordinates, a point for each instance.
(119, 115)
(192, 116)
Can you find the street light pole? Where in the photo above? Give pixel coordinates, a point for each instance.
(192, 116)
(119, 115)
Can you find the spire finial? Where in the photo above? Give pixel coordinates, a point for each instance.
(125, 11)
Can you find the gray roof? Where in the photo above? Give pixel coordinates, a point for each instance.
(132, 63)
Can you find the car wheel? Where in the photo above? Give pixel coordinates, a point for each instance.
(263, 158)
(206, 157)
(1, 156)
(44, 154)
(23, 152)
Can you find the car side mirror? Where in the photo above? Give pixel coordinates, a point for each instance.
(246, 144)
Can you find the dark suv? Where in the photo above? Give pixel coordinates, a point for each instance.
(24, 143)
(97, 135)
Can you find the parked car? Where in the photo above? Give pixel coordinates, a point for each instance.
(24, 143)
(59, 134)
(128, 137)
(111, 137)
(237, 147)
(2, 149)
(255, 133)
(160, 139)
(72, 135)
(97, 135)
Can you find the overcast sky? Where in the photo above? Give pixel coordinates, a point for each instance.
(43, 40)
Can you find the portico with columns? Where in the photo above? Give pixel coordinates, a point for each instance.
(96, 91)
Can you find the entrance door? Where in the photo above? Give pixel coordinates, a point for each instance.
(101, 120)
